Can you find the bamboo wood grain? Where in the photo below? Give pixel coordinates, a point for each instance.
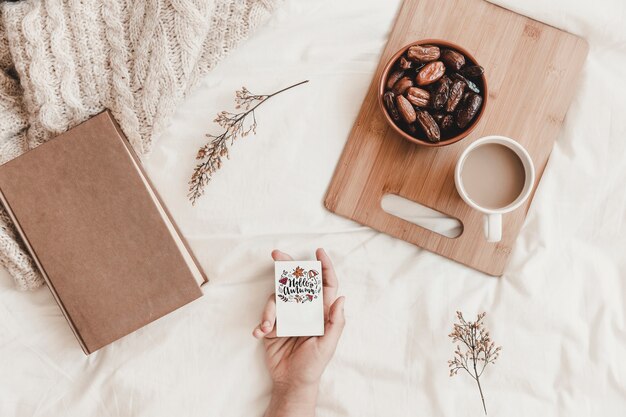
(532, 71)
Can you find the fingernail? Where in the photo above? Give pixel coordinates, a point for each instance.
(266, 324)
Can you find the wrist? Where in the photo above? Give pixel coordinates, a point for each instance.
(293, 400)
(302, 391)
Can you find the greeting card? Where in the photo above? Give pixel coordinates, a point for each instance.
(299, 298)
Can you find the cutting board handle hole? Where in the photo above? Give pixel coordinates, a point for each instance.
(422, 216)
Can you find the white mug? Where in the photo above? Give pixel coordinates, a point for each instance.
(493, 217)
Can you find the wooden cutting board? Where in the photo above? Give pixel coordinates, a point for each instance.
(532, 71)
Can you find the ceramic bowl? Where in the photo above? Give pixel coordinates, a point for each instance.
(422, 141)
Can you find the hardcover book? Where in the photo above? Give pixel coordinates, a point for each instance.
(104, 242)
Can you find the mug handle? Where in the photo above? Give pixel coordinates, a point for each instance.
(493, 227)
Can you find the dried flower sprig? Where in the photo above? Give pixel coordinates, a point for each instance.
(235, 125)
(474, 351)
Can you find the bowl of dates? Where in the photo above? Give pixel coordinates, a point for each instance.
(433, 92)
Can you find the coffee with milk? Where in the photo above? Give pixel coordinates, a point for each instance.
(493, 176)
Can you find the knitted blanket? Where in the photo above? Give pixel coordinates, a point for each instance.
(62, 61)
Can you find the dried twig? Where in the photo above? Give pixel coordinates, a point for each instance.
(475, 351)
(235, 125)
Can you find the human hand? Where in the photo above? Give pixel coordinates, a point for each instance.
(297, 363)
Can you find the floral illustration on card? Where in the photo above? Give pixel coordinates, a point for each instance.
(299, 285)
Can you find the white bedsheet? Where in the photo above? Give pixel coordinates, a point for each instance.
(558, 311)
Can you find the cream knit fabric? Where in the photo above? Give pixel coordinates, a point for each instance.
(62, 61)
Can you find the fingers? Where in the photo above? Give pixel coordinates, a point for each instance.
(329, 277)
(334, 327)
(268, 319)
(333, 306)
(280, 256)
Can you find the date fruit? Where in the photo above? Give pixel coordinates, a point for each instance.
(418, 97)
(468, 110)
(452, 59)
(405, 109)
(393, 78)
(402, 85)
(456, 94)
(429, 126)
(405, 64)
(472, 86)
(474, 71)
(431, 73)
(390, 103)
(447, 123)
(433, 92)
(442, 92)
(424, 53)
(438, 117)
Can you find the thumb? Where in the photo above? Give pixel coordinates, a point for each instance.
(334, 326)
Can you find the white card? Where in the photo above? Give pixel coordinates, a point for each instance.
(299, 298)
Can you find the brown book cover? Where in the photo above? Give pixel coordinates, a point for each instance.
(102, 238)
